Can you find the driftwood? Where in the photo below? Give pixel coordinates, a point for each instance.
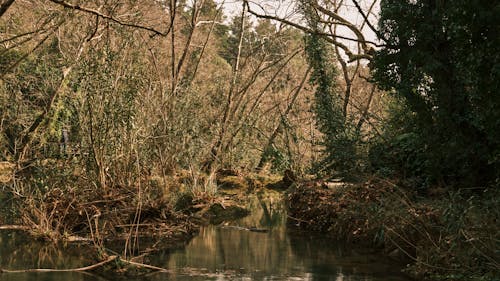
(252, 229)
(146, 266)
(13, 227)
(86, 268)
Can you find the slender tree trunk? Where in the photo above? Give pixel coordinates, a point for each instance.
(5, 6)
(30, 134)
(215, 150)
(364, 116)
(278, 128)
(194, 20)
(173, 12)
(205, 44)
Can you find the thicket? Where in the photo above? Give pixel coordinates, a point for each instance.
(104, 125)
(144, 106)
(441, 63)
(161, 102)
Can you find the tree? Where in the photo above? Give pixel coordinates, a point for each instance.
(442, 59)
(333, 40)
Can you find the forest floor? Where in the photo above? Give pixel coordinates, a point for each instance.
(441, 235)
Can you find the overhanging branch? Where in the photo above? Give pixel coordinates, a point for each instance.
(108, 17)
(365, 17)
(327, 36)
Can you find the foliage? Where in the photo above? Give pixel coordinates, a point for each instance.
(279, 160)
(454, 235)
(22, 100)
(400, 153)
(442, 59)
(339, 144)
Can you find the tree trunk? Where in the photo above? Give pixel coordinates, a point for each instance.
(276, 131)
(215, 150)
(5, 6)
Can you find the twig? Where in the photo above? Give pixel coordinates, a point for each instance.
(108, 17)
(146, 266)
(299, 220)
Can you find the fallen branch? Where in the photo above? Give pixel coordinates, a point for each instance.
(146, 266)
(86, 268)
(13, 227)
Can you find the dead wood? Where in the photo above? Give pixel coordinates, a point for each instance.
(86, 268)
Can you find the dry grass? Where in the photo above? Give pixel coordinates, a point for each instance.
(6, 171)
(455, 235)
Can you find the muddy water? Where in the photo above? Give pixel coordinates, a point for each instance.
(226, 252)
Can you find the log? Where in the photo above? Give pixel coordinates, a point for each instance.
(13, 227)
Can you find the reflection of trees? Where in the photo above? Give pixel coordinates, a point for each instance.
(258, 254)
(231, 249)
(348, 262)
(267, 211)
(230, 253)
(19, 252)
(272, 214)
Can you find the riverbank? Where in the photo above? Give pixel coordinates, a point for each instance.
(442, 235)
(228, 251)
(55, 202)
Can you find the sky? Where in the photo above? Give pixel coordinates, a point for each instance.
(285, 9)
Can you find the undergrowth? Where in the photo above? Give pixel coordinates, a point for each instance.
(451, 237)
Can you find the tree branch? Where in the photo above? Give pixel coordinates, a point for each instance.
(108, 17)
(344, 22)
(5, 6)
(86, 268)
(327, 36)
(365, 17)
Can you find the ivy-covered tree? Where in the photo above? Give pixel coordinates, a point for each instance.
(339, 154)
(442, 59)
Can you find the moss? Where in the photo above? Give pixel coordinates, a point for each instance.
(232, 182)
(218, 213)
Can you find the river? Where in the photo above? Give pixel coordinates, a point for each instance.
(224, 252)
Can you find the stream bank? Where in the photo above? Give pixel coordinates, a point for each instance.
(227, 251)
(441, 236)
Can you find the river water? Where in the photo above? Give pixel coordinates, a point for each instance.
(224, 252)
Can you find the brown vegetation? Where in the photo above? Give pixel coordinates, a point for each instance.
(437, 237)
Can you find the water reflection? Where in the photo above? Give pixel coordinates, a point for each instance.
(219, 253)
(228, 253)
(17, 251)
